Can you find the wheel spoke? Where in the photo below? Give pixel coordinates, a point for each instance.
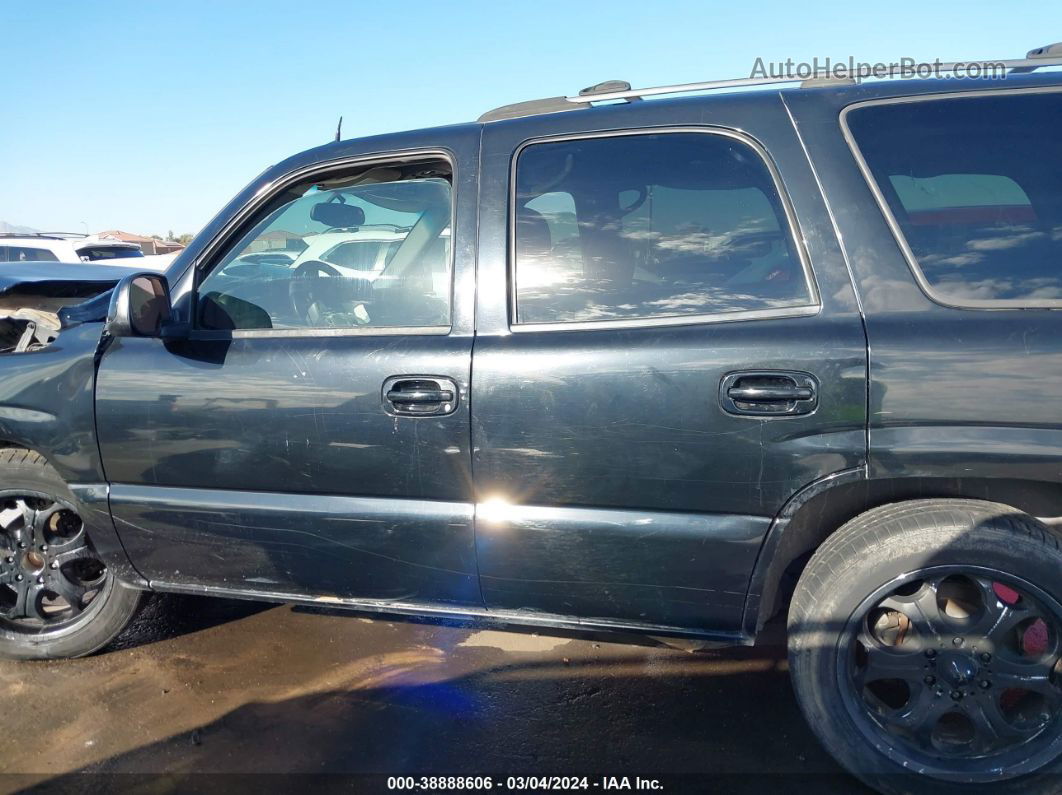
(923, 714)
(72, 592)
(921, 609)
(1040, 684)
(29, 602)
(883, 664)
(11, 519)
(991, 726)
(19, 523)
(1001, 632)
(1006, 665)
(82, 552)
(33, 532)
(995, 611)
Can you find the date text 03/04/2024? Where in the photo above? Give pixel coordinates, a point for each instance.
(474, 783)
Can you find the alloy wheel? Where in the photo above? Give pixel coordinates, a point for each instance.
(50, 577)
(957, 672)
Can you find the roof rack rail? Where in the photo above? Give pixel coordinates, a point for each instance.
(616, 90)
(44, 235)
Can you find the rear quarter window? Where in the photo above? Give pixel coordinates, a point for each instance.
(973, 185)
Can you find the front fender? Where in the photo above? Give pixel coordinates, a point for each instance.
(46, 403)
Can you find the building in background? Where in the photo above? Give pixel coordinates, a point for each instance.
(149, 245)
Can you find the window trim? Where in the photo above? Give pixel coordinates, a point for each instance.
(216, 249)
(812, 307)
(894, 226)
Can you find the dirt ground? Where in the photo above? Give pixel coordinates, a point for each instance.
(199, 689)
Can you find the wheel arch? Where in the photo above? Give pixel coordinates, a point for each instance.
(821, 508)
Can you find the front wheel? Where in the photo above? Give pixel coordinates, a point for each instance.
(925, 647)
(57, 597)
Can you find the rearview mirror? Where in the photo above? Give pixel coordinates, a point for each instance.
(337, 215)
(140, 306)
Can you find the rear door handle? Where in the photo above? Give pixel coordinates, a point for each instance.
(420, 395)
(769, 393)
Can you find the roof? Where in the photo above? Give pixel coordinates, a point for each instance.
(621, 91)
(126, 237)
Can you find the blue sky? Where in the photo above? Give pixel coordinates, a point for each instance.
(148, 116)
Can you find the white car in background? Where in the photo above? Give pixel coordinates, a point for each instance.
(361, 252)
(72, 247)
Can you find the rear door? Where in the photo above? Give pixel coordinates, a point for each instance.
(668, 348)
(311, 436)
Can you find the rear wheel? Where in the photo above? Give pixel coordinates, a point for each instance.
(57, 597)
(926, 648)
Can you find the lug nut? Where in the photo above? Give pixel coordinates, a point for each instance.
(930, 680)
(956, 642)
(986, 657)
(19, 578)
(931, 653)
(9, 560)
(55, 564)
(21, 544)
(44, 547)
(956, 695)
(40, 581)
(940, 691)
(985, 684)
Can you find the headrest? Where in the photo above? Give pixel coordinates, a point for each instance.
(532, 233)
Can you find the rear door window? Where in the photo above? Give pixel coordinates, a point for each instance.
(974, 185)
(26, 254)
(648, 226)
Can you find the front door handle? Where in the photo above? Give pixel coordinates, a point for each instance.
(773, 394)
(420, 395)
(769, 393)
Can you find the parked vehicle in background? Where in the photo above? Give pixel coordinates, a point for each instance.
(63, 247)
(669, 367)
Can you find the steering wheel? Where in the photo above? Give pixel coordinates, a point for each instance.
(305, 288)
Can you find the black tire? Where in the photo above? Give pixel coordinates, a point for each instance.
(867, 556)
(113, 604)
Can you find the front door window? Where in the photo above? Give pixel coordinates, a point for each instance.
(370, 248)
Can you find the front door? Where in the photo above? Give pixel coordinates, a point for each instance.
(311, 436)
(678, 351)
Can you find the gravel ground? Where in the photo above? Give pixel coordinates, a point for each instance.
(201, 688)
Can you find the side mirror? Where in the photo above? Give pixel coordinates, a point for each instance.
(140, 306)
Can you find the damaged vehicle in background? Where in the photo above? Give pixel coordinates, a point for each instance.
(669, 367)
(32, 293)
